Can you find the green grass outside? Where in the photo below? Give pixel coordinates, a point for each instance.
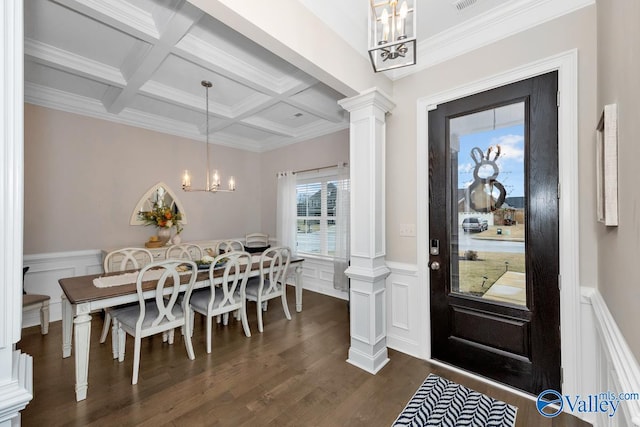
(489, 264)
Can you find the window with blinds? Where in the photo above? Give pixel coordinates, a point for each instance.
(316, 203)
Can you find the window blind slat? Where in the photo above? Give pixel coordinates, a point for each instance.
(316, 207)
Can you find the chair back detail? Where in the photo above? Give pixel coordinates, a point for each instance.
(24, 273)
(256, 239)
(226, 294)
(274, 275)
(166, 294)
(33, 301)
(132, 259)
(188, 251)
(226, 246)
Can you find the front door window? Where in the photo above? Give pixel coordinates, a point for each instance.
(487, 152)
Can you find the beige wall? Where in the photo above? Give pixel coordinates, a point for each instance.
(618, 82)
(540, 42)
(84, 176)
(318, 152)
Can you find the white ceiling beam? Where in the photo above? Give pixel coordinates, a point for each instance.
(118, 14)
(224, 63)
(291, 31)
(174, 96)
(54, 57)
(179, 25)
(262, 124)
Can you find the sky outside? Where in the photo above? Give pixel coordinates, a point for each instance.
(510, 163)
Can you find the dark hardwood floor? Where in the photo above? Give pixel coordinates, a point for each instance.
(293, 374)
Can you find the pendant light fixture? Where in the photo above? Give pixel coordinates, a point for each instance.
(213, 177)
(392, 34)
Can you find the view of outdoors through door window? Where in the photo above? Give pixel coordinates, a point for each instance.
(488, 204)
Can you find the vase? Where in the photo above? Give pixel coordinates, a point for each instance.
(176, 239)
(164, 234)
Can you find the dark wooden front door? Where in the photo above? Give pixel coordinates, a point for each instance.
(493, 221)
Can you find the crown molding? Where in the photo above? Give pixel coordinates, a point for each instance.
(64, 101)
(76, 104)
(54, 57)
(227, 65)
(175, 96)
(489, 27)
(118, 12)
(267, 126)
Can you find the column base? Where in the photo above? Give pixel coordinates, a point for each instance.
(371, 364)
(16, 394)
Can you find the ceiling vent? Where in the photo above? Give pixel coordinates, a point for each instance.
(463, 4)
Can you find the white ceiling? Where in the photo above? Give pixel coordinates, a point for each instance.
(140, 62)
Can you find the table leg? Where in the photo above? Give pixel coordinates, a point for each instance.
(82, 335)
(67, 326)
(298, 288)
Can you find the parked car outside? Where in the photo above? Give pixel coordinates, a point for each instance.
(474, 224)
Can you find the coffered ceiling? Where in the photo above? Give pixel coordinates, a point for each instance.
(140, 62)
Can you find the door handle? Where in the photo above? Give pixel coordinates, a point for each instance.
(434, 265)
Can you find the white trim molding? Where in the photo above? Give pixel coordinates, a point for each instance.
(46, 269)
(18, 392)
(16, 368)
(368, 271)
(617, 368)
(317, 274)
(566, 64)
(495, 24)
(404, 312)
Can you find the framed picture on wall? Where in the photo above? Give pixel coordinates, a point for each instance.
(607, 166)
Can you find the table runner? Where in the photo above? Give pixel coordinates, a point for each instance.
(129, 278)
(125, 278)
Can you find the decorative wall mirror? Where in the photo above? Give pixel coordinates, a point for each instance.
(159, 195)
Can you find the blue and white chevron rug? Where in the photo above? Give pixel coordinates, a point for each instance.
(440, 402)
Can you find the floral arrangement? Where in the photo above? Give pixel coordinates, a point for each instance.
(162, 217)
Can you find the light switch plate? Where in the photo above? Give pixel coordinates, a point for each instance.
(407, 230)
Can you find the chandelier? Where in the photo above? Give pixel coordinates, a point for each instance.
(213, 177)
(392, 34)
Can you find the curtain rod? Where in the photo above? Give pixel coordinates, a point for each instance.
(321, 168)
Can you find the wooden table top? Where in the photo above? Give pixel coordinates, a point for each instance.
(80, 289)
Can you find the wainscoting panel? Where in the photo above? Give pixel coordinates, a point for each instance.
(403, 309)
(46, 269)
(617, 369)
(317, 276)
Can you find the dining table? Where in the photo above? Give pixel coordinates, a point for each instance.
(81, 297)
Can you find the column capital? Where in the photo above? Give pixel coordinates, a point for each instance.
(373, 97)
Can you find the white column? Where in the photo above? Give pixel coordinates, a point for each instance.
(368, 269)
(16, 368)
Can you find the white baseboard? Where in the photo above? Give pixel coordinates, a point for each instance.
(606, 363)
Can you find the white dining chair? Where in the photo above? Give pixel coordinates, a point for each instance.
(256, 239)
(224, 298)
(225, 246)
(36, 302)
(188, 251)
(158, 315)
(121, 260)
(272, 281)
